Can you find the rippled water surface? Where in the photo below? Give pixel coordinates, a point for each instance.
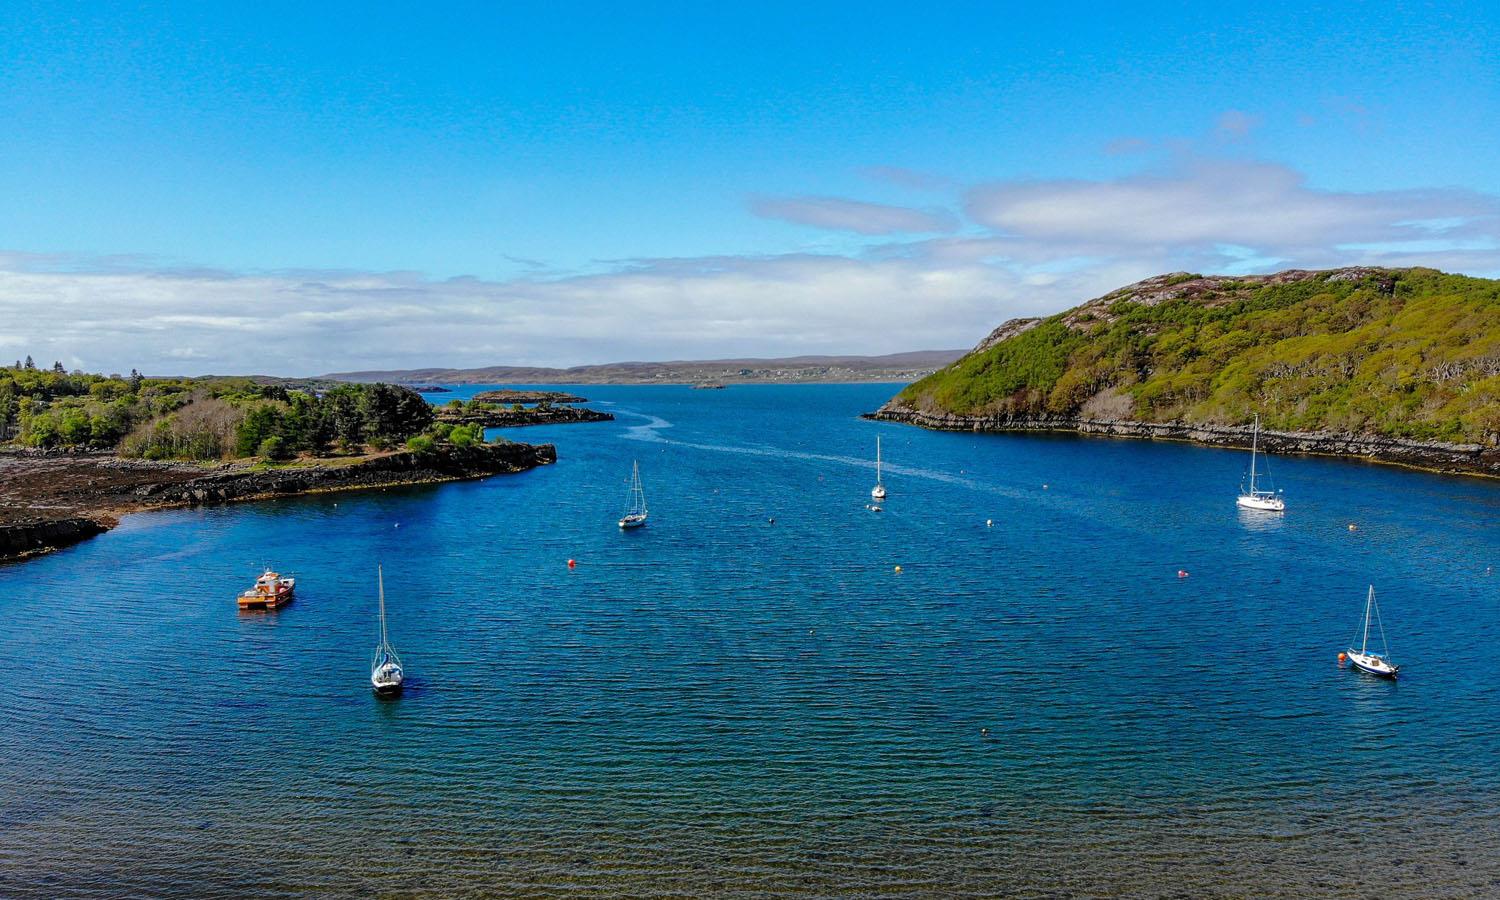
(722, 704)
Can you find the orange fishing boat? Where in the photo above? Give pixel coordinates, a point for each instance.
(270, 591)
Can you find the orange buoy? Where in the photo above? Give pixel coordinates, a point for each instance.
(898, 570)
(572, 563)
(1343, 656)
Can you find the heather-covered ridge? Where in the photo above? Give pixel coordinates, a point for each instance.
(1410, 353)
(1372, 357)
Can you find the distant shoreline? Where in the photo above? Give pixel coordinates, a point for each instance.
(1429, 456)
(812, 369)
(54, 500)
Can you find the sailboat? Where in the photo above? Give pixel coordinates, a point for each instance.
(1255, 498)
(386, 674)
(878, 491)
(635, 516)
(1363, 659)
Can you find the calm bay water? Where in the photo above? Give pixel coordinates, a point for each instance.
(720, 704)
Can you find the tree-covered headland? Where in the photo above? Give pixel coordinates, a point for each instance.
(212, 418)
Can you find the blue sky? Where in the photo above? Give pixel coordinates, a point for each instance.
(561, 184)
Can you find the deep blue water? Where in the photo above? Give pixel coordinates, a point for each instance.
(722, 704)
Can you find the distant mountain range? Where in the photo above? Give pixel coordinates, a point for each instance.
(893, 367)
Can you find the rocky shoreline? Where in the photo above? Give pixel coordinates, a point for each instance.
(55, 500)
(1461, 459)
(509, 396)
(515, 418)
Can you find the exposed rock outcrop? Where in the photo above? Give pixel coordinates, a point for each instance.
(1431, 455)
(22, 539)
(515, 418)
(54, 500)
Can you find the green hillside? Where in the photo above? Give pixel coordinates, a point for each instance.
(210, 418)
(1411, 353)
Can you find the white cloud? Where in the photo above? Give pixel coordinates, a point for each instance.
(1204, 203)
(689, 308)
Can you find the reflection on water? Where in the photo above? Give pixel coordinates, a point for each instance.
(745, 697)
(1259, 520)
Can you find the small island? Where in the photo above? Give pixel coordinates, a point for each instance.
(513, 409)
(77, 451)
(509, 396)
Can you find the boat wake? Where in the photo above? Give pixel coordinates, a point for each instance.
(651, 431)
(648, 431)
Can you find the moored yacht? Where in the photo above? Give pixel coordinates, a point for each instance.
(1255, 498)
(878, 491)
(386, 674)
(635, 516)
(1374, 663)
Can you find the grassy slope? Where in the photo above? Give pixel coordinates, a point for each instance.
(1408, 353)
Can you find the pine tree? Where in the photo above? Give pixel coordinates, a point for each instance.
(29, 363)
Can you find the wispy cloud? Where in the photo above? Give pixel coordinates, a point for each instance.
(907, 178)
(1235, 125)
(1204, 203)
(839, 214)
(1125, 146)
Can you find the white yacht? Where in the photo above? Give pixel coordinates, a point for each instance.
(1374, 663)
(635, 516)
(1255, 498)
(386, 675)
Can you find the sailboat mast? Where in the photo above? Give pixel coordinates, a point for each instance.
(1368, 600)
(380, 575)
(1254, 444)
(877, 459)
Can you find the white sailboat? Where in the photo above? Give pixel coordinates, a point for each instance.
(635, 516)
(1374, 663)
(878, 491)
(386, 674)
(1255, 498)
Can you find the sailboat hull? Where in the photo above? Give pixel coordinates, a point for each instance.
(1264, 504)
(633, 521)
(1372, 664)
(387, 679)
